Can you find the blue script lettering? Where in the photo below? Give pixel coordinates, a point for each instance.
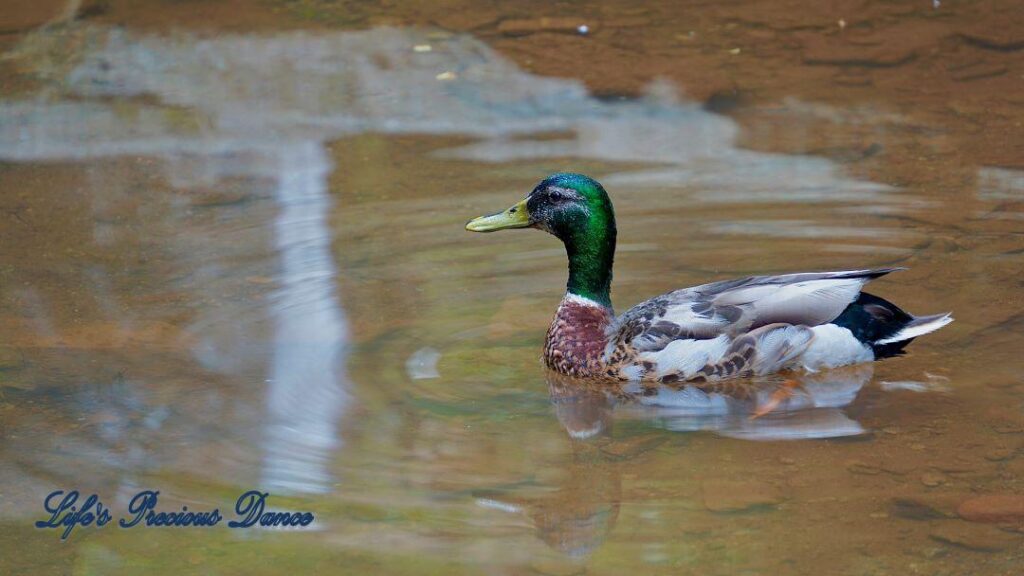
(143, 507)
(68, 510)
(65, 513)
(141, 503)
(251, 505)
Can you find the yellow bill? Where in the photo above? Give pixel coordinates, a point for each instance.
(515, 217)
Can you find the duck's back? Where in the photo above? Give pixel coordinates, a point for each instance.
(755, 326)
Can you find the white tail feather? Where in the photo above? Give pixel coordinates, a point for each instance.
(918, 327)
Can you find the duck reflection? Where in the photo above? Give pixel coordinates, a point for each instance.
(579, 514)
(576, 517)
(807, 406)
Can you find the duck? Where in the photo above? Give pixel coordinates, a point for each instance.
(741, 328)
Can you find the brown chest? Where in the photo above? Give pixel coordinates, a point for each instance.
(576, 339)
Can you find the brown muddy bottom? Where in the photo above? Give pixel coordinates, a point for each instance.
(238, 261)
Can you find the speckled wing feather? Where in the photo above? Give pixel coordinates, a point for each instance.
(761, 351)
(734, 307)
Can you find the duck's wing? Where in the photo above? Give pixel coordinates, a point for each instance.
(735, 307)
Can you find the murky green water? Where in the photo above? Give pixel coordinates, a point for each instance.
(237, 261)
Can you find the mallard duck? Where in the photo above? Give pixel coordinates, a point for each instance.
(752, 326)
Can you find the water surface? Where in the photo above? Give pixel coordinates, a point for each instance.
(238, 261)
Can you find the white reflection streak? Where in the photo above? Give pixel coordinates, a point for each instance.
(306, 393)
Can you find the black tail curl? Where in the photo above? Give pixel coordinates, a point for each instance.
(871, 319)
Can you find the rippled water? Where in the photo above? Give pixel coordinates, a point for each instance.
(239, 262)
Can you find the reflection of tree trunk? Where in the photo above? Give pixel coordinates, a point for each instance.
(306, 395)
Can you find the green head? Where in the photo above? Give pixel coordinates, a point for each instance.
(576, 210)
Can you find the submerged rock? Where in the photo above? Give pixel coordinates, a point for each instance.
(993, 508)
(1000, 454)
(922, 508)
(973, 536)
(858, 467)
